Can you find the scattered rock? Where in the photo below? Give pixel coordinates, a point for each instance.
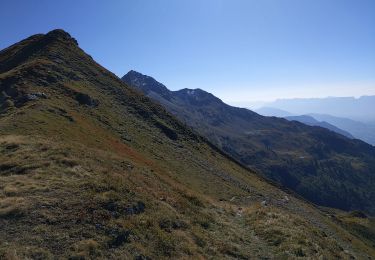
(285, 199)
(240, 212)
(169, 132)
(3, 95)
(84, 99)
(127, 165)
(12, 147)
(32, 96)
(168, 225)
(57, 60)
(61, 112)
(7, 104)
(70, 118)
(135, 209)
(264, 203)
(358, 214)
(126, 137)
(119, 237)
(117, 210)
(39, 95)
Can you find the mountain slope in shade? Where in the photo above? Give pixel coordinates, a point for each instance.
(309, 120)
(90, 168)
(324, 167)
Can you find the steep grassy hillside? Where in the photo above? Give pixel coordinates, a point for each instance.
(90, 168)
(322, 166)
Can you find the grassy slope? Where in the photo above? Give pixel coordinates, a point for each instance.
(125, 179)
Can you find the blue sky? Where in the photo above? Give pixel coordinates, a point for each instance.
(239, 50)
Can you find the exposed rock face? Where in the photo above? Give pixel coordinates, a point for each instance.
(34, 96)
(149, 84)
(17, 98)
(60, 35)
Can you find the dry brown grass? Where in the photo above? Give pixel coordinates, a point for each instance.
(13, 207)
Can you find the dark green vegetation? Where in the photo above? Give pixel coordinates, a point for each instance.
(322, 166)
(90, 168)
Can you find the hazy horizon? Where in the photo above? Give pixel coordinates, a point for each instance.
(254, 104)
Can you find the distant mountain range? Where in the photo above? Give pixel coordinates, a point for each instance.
(321, 165)
(306, 119)
(271, 111)
(309, 120)
(360, 130)
(344, 126)
(358, 109)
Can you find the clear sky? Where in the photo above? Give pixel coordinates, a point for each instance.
(239, 50)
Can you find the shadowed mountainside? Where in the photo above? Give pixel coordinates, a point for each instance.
(322, 166)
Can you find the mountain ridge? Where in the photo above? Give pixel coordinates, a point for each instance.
(266, 145)
(365, 132)
(357, 129)
(309, 120)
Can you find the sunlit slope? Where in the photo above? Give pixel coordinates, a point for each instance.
(91, 168)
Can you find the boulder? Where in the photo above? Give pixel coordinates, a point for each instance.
(84, 99)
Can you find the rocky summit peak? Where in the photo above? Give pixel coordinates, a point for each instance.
(136, 76)
(145, 83)
(197, 94)
(60, 34)
(136, 73)
(196, 91)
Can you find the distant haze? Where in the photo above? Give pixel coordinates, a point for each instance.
(362, 109)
